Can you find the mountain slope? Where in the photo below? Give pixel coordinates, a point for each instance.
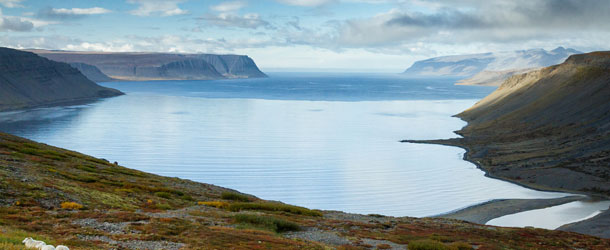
(492, 78)
(549, 127)
(68, 198)
(161, 66)
(469, 65)
(28, 80)
(91, 72)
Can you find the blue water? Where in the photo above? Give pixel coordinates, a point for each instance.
(326, 141)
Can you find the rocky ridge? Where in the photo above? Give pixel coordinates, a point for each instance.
(28, 80)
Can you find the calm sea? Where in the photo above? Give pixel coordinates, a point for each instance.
(325, 141)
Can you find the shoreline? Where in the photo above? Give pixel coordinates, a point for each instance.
(454, 142)
(597, 225)
(58, 103)
(484, 212)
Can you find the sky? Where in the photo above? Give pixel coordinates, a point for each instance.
(308, 35)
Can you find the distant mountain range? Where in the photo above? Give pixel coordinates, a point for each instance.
(106, 66)
(489, 68)
(28, 80)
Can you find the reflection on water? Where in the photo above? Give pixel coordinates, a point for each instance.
(552, 217)
(330, 145)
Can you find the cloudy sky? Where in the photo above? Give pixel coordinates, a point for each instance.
(358, 35)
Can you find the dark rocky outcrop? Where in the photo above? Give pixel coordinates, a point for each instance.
(91, 72)
(161, 66)
(28, 80)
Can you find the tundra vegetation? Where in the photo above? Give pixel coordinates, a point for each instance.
(66, 198)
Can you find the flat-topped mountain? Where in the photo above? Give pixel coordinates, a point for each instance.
(161, 66)
(28, 80)
(488, 64)
(91, 72)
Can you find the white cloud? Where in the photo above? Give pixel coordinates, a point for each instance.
(306, 3)
(11, 3)
(73, 13)
(79, 11)
(105, 47)
(229, 6)
(15, 24)
(20, 24)
(247, 21)
(161, 7)
(467, 22)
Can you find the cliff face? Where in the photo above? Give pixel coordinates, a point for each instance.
(496, 64)
(161, 66)
(548, 128)
(234, 65)
(91, 72)
(28, 80)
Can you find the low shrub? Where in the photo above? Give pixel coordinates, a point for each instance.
(459, 245)
(12, 246)
(216, 204)
(427, 245)
(384, 246)
(165, 195)
(267, 222)
(71, 205)
(234, 196)
(272, 206)
(163, 206)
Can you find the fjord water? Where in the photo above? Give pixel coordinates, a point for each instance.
(553, 217)
(321, 141)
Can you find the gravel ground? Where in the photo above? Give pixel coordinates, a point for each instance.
(375, 243)
(314, 234)
(111, 228)
(134, 244)
(599, 226)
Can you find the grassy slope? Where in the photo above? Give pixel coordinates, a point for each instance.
(35, 179)
(547, 128)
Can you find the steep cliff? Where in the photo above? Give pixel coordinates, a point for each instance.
(28, 80)
(548, 128)
(234, 65)
(494, 63)
(91, 72)
(161, 66)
